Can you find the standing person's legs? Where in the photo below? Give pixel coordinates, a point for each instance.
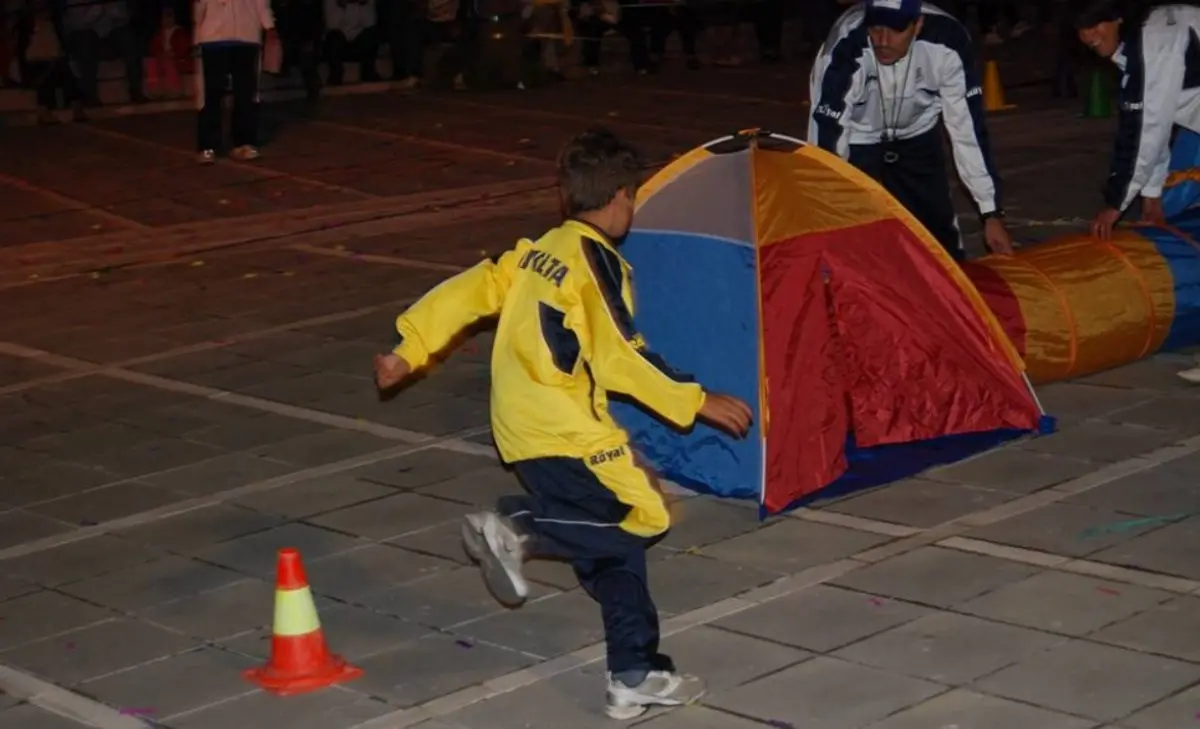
(210, 90)
(365, 49)
(83, 47)
(336, 48)
(130, 48)
(244, 73)
(919, 181)
(633, 25)
(687, 21)
(768, 29)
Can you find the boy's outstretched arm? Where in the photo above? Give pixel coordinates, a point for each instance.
(620, 361)
(429, 325)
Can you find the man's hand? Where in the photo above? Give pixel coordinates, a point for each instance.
(727, 413)
(1152, 211)
(1105, 221)
(996, 236)
(390, 370)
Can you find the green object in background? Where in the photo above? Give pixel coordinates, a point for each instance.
(1099, 99)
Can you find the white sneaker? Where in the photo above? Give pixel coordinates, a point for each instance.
(1192, 375)
(244, 153)
(661, 688)
(206, 157)
(491, 540)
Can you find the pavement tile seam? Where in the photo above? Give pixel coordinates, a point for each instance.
(1063, 638)
(225, 396)
(170, 510)
(65, 703)
(1114, 572)
(116, 615)
(262, 171)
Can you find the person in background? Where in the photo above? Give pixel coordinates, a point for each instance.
(594, 20)
(230, 34)
(892, 75)
(351, 33)
(993, 12)
(162, 29)
(1155, 52)
(768, 29)
(88, 26)
(405, 25)
(682, 17)
(44, 65)
(547, 26)
(301, 27)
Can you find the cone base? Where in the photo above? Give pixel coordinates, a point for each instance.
(334, 672)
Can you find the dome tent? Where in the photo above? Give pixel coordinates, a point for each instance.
(779, 273)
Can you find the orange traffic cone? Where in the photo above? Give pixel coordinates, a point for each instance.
(300, 661)
(993, 92)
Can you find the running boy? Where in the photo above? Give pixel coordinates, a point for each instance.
(565, 339)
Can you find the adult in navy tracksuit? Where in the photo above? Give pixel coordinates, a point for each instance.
(1158, 54)
(892, 74)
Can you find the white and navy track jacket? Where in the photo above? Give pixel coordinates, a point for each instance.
(1160, 88)
(853, 96)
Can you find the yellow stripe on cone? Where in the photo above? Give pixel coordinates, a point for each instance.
(295, 612)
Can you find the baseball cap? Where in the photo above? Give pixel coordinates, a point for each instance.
(894, 14)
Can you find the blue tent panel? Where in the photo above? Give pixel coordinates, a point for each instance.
(720, 287)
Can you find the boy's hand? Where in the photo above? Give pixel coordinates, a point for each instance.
(727, 413)
(390, 370)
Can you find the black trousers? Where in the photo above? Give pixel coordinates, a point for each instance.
(236, 64)
(571, 515)
(364, 49)
(84, 48)
(914, 172)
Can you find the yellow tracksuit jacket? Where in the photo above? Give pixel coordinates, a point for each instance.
(565, 339)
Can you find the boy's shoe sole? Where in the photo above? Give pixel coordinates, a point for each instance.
(659, 689)
(488, 541)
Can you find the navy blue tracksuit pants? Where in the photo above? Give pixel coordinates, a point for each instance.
(570, 514)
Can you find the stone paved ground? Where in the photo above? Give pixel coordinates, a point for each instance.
(184, 388)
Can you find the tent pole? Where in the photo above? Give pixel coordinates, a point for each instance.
(1033, 393)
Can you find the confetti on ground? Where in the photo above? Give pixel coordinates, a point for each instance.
(196, 264)
(250, 275)
(1129, 525)
(464, 643)
(692, 550)
(875, 601)
(137, 711)
(222, 201)
(1107, 591)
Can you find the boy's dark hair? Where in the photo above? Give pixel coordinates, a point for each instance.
(594, 167)
(1090, 13)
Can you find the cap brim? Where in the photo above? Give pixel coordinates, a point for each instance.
(893, 19)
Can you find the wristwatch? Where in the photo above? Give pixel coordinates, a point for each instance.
(998, 214)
